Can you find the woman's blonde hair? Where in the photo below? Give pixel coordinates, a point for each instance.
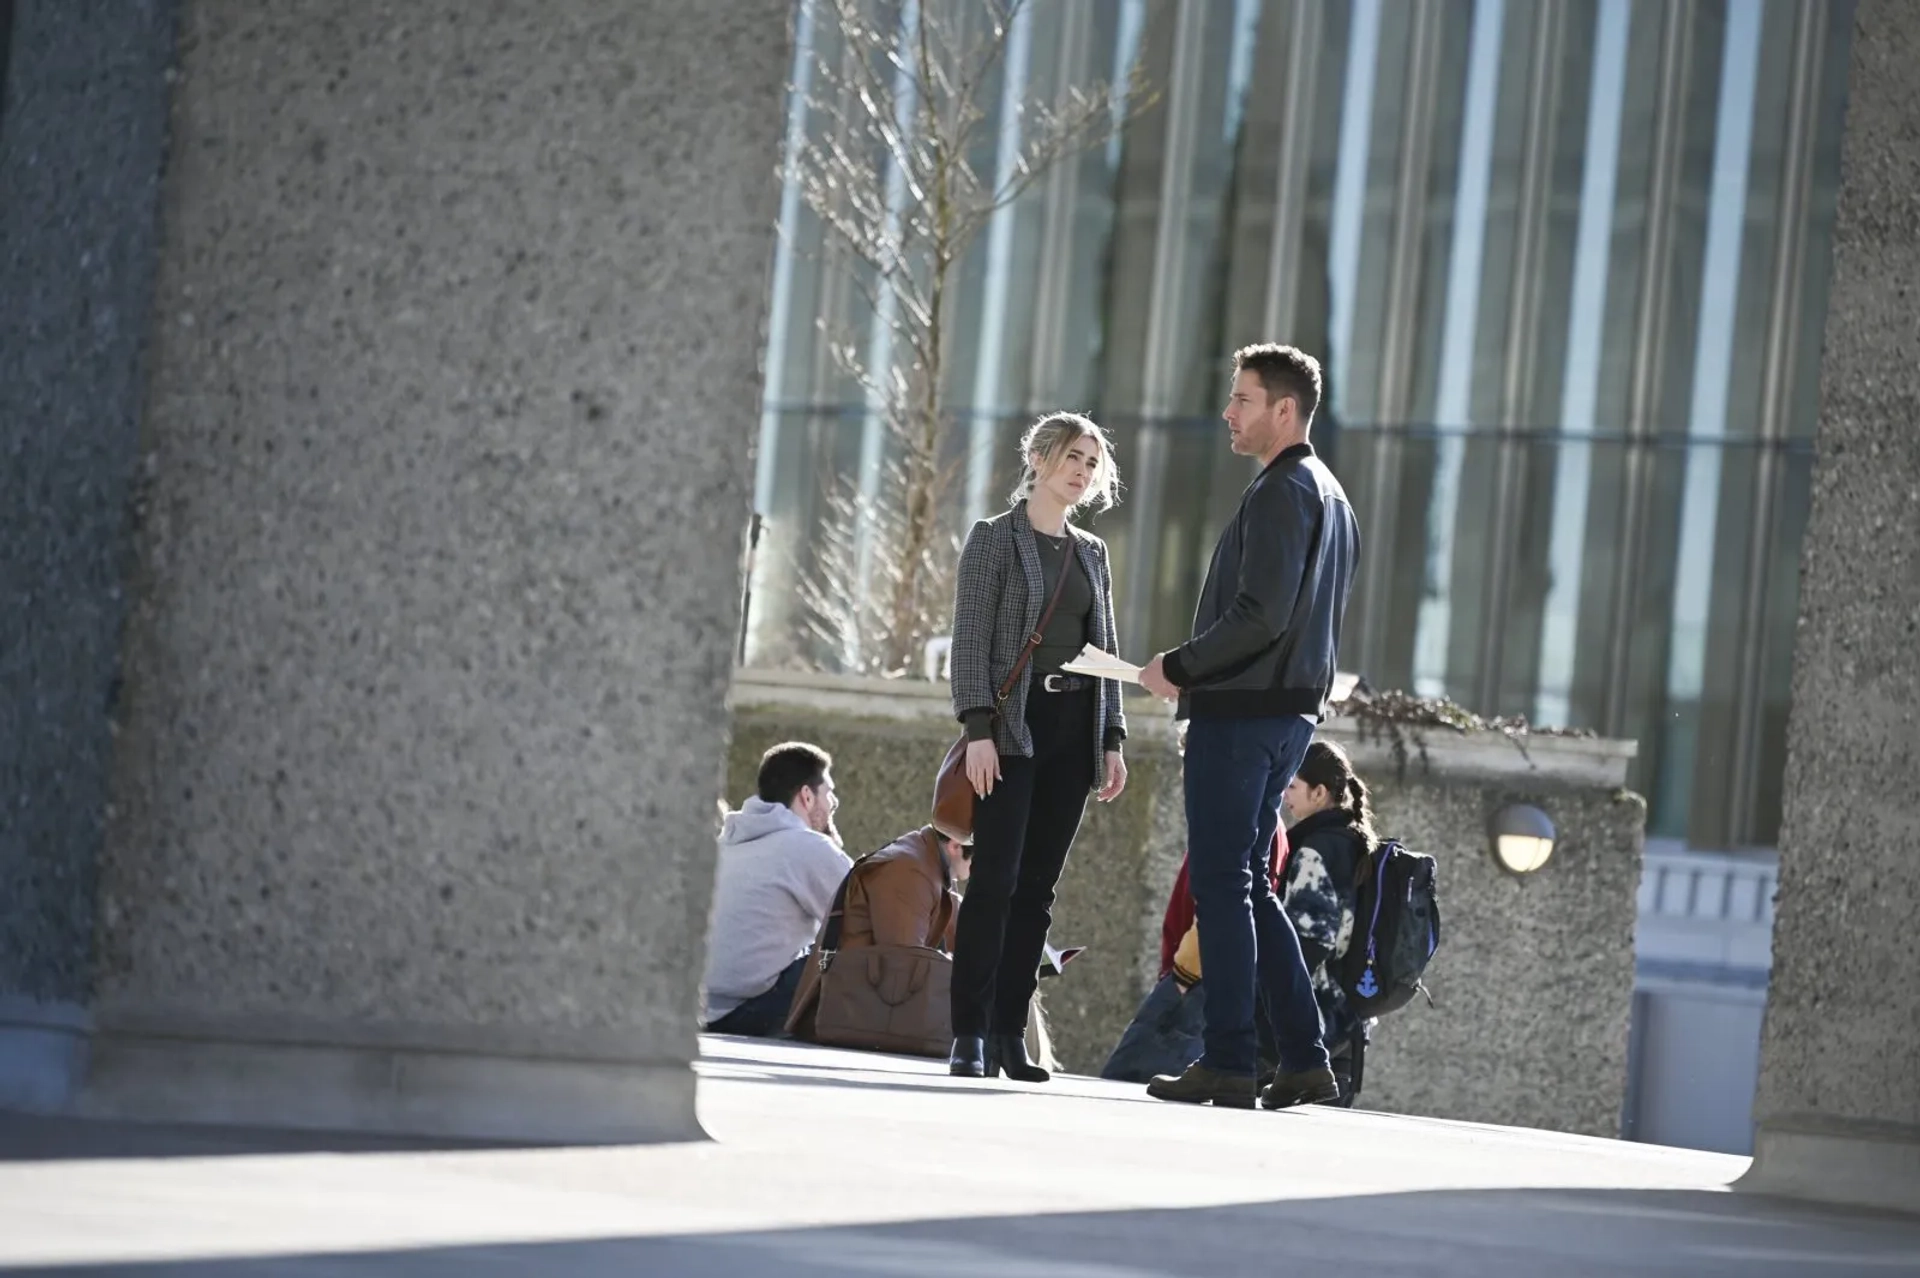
(1051, 437)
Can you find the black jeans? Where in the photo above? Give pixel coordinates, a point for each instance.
(765, 1015)
(1021, 835)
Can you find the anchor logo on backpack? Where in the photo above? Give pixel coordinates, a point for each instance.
(1396, 932)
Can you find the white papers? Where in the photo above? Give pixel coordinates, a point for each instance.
(1102, 665)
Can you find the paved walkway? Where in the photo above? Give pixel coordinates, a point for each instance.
(837, 1163)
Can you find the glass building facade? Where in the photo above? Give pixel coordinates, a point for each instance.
(1565, 263)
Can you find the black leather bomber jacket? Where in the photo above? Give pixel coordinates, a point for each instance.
(1266, 633)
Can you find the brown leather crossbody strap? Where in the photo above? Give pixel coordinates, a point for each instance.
(1033, 640)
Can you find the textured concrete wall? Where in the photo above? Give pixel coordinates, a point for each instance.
(82, 129)
(450, 424)
(1838, 1105)
(1534, 984)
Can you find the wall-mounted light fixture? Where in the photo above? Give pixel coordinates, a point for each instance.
(1522, 838)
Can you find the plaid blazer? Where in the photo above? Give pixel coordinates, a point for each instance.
(998, 596)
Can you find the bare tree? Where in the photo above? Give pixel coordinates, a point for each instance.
(901, 93)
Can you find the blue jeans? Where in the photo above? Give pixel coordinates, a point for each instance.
(1164, 1037)
(1235, 771)
(765, 1015)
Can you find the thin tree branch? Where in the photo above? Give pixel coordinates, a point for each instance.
(888, 170)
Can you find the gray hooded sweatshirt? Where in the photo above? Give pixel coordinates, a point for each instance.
(771, 892)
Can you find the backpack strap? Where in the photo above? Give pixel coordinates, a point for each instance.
(1370, 863)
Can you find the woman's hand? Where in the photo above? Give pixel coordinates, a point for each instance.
(983, 766)
(1116, 777)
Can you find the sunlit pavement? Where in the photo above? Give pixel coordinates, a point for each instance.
(827, 1162)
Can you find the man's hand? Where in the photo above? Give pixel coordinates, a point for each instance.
(1116, 777)
(983, 766)
(1154, 679)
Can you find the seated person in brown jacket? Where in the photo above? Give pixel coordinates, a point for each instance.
(901, 895)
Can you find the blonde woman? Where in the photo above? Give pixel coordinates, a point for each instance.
(1034, 759)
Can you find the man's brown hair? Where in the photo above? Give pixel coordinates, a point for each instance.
(1284, 371)
(790, 767)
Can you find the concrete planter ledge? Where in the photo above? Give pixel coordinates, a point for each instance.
(912, 699)
(1443, 753)
(1417, 751)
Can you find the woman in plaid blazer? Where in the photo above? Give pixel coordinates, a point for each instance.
(1035, 758)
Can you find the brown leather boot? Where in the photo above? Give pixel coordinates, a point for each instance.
(1305, 1087)
(1200, 1085)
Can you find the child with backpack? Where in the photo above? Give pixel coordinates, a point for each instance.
(1332, 841)
(1367, 909)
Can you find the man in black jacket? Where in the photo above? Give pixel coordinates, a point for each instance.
(1253, 683)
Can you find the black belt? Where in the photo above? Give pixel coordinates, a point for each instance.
(1057, 682)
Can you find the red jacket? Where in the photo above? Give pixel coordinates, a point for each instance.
(1179, 916)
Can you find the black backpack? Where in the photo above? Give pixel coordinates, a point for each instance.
(1396, 929)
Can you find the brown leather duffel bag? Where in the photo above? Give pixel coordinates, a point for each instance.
(879, 998)
(885, 998)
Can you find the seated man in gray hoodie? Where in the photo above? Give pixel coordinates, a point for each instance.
(780, 864)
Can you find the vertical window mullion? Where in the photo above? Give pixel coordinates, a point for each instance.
(1579, 397)
(1453, 408)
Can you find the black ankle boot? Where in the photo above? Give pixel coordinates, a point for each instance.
(1009, 1052)
(969, 1057)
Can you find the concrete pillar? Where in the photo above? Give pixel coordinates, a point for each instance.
(83, 112)
(1838, 1108)
(438, 533)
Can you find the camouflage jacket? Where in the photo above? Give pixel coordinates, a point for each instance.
(1324, 852)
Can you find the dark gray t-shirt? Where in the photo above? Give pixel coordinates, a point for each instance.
(1066, 633)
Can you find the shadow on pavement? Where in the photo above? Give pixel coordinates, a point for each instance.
(1471, 1233)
